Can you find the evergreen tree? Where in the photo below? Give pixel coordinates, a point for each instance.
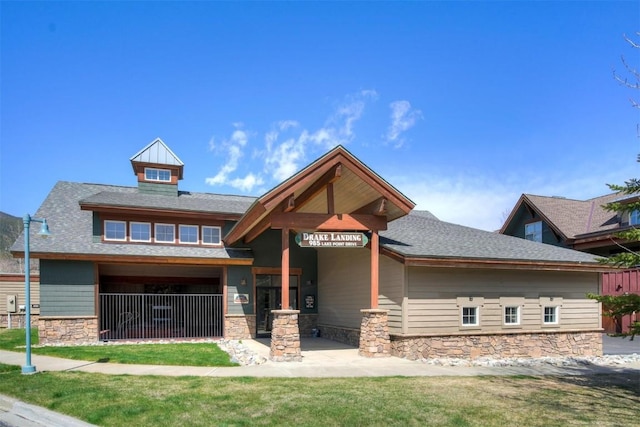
(627, 304)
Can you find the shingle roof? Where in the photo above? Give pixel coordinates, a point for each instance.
(420, 235)
(192, 202)
(72, 228)
(576, 217)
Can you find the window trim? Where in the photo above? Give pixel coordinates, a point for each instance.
(104, 231)
(476, 316)
(158, 178)
(187, 242)
(131, 238)
(517, 315)
(219, 243)
(155, 232)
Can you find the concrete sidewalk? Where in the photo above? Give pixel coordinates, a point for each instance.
(321, 358)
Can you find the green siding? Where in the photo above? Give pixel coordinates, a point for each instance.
(522, 217)
(234, 275)
(161, 189)
(67, 288)
(267, 250)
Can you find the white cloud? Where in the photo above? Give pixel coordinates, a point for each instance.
(233, 148)
(284, 160)
(247, 183)
(469, 201)
(403, 118)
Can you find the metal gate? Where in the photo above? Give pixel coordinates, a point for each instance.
(155, 316)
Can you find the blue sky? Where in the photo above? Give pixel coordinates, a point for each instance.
(462, 106)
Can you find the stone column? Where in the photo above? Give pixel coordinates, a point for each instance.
(285, 336)
(374, 333)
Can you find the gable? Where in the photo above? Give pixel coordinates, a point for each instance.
(335, 184)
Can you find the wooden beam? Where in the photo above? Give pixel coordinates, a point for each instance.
(327, 222)
(375, 268)
(377, 207)
(331, 209)
(258, 229)
(319, 185)
(284, 305)
(236, 233)
(289, 204)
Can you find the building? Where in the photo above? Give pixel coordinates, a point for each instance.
(333, 250)
(582, 225)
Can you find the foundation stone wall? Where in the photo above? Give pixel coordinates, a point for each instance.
(543, 344)
(68, 330)
(343, 335)
(239, 326)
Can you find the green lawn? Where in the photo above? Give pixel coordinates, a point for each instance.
(183, 354)
(117, 400)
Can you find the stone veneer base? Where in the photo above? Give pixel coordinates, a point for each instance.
(538, 344)
(374, 333)
(67, 330)
(285, 337)
(239, 326)
(17, 320)
(347, 336)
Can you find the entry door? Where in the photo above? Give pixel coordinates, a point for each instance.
(269, 298)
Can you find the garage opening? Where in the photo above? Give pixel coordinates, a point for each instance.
(151, 307)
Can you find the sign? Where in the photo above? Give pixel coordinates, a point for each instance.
(309, 301)
(240, 298)
(331, 239)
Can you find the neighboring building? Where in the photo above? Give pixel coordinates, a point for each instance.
(12, 291)
(334, 248)
(583, 225)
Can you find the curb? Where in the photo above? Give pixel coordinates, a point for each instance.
(16, 413)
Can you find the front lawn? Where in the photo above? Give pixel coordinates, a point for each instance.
(117, 400)
(182, 354)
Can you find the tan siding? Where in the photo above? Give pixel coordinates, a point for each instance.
(344, 283)
(433, 293)
(343, 286)
(392, 291)
(13, 285)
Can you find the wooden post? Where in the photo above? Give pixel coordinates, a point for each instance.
(375, 269)
(285, 269)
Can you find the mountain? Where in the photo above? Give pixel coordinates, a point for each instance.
(10, 229)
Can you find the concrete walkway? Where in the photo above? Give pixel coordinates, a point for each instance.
(320, 358)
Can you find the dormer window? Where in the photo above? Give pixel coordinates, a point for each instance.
(160, 175)
(533, 231)
(634, 217)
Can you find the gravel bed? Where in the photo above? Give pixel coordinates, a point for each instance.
(608, 360)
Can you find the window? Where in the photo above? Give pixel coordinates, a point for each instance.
(189, 234)
(165, 233)
(115, 230)
(634, 217)
(470, 316)
(211, 235)
(533, 231)
(152, 174)
(512, 315)
(550, 315)
(140, 232)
